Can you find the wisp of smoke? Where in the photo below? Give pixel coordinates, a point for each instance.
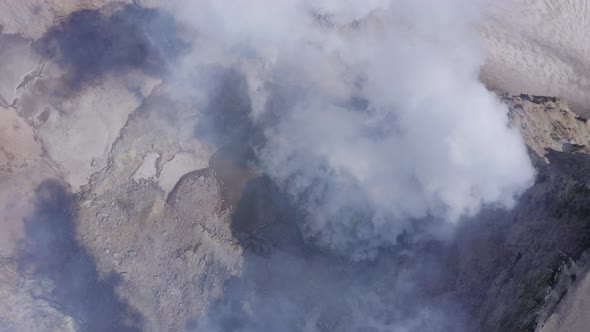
(386, 122)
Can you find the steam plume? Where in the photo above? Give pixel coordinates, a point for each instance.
(383, 121)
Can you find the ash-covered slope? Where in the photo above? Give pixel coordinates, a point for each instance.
(539, 47)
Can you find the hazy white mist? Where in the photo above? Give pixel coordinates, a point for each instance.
(428, 140)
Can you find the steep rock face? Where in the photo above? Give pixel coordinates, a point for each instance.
(571, 311)
(512, 266)
(512, 259)
(548, 123)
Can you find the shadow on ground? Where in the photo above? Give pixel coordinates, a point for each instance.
(65, 271)
(226, 118)
(91, 43)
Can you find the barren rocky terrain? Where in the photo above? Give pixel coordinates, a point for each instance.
(121, 211)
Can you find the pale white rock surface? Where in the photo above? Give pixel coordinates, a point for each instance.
(539, 47)
(79, 132)
(147, 170)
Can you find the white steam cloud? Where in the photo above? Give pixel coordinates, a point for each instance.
(386, 121)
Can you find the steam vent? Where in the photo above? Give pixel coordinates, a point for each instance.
(294, 166)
